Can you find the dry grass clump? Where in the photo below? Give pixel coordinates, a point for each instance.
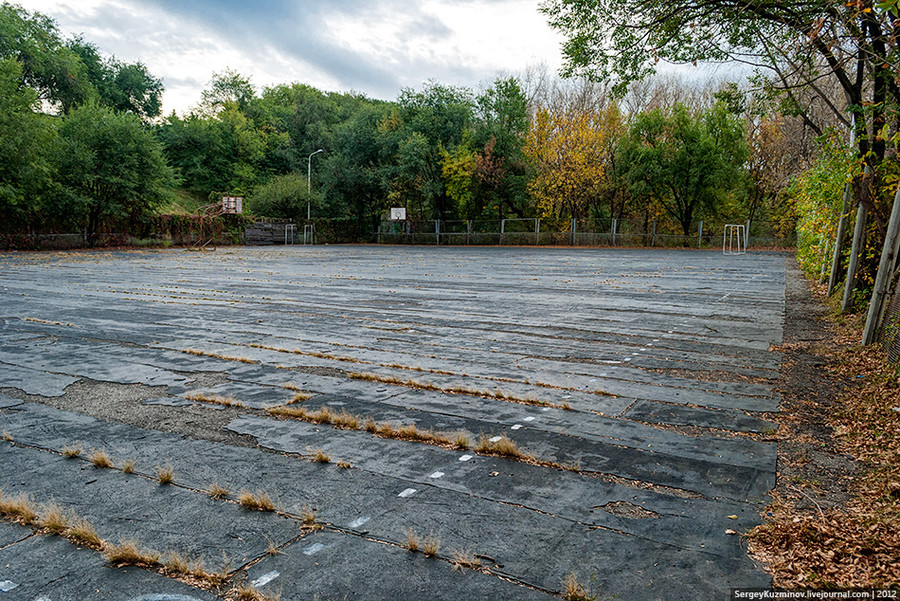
(129, 553)
(100, 459)
(165, 474)
(248, 593)
(497, 393)
(192, 351)
(344, 465)
(218, 492)
(128, 466)
(72, 451)
(261, 501)
(412, 540)
(431, 545)
(308, 515)
(504, 447)
(320, 456)
(574, 590)
(81, 532)
(225, 401)
(18, 509)
(53, 518)
(7, 436)
(461, 441)
(465, 559)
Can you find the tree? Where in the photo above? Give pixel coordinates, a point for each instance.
(683, 163)
(48, 66)
(282, 197)
(433, 120)
(121, 86)
(565, 151)
(26, 169)
(112, 165)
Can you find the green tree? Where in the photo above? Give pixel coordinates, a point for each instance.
(282, 197)
(433, 120)
(48, 66)
(121, 86)
(112, 165)
(28, 137)
(683, 163)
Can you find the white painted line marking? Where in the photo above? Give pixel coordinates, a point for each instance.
(465, 457)
(656, 340)
(531, 418)
(313, 549)
(6, 586)
(516, 427)
(359, 521)
(407, 493)
(436, 475)
(496, 439)
(266, 578)
(627, 359)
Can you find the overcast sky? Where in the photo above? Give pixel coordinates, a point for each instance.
(375, 47)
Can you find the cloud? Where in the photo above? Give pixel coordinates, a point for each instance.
(375, 47)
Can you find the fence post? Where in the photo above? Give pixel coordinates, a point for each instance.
(537, 231)
(468, 230)
(653, 237)
(437, 231)
(885, 270)
(700, 235)
(859, 236)
(574, 223)
(747, 236)
(613, 228)
(502, 227)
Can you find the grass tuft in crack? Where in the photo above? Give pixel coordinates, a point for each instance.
(100, 459)
(261, 501)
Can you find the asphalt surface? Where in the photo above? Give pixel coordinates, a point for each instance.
(633, 382)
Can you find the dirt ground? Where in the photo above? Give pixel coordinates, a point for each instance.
(834, 519)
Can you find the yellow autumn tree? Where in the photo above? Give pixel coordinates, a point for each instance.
(567, 153)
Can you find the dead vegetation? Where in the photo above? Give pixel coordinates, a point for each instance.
(200, 353)
(497, 393)
(259, 501)
(225, 401)
(814, 538)
(100, 459)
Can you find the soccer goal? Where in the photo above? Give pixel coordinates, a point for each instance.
(734, 240)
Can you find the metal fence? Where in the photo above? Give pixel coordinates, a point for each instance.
(890, 329)
(605, 232)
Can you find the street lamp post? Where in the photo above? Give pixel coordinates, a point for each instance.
(309, 180)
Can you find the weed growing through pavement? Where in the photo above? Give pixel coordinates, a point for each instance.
(72, 451)
(19, 509)
(465, 559)
(165, 474)
(412, 540)
(53, 518)
(273, 549)
(431, 545)
(218, 492)
(7, 436)
(100, 459)
(260, 501)
(128, 466)
(192, 351)
(129, 553)
(575, 591)
(225, 401)
(248, 593)
(344, 465)
(504, 447)
(81, 532)
(320, 456)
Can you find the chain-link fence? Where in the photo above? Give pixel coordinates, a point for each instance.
(603, 232)
(890, 329)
